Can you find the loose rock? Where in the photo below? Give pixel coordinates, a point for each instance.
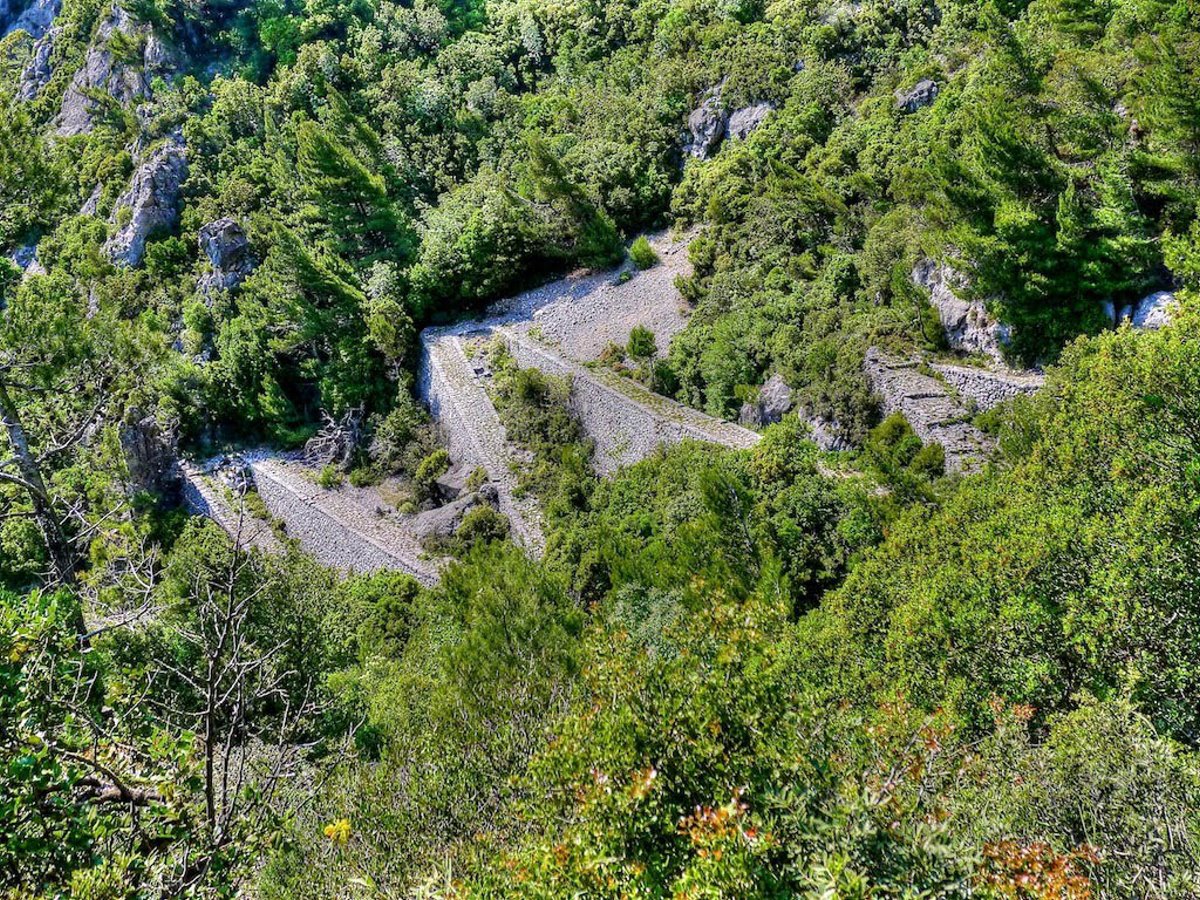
(922, 94)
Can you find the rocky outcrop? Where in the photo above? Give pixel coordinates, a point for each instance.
(985, 389)
(773, 403)
(1151, 312)
(968, 326)
(743, 122)
(152, 201)
(34, 19)
(38, 70)
(438, 525)
(709, 123)
(26, 259)
(826, 433)
(920, 95)
(936, 415)
(228, 251)
(150, 459)
(706, 125)
(102, 72)
(1154, 311)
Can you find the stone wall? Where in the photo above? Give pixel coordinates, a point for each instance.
(627, 423)
(932, 411)
(986, 389)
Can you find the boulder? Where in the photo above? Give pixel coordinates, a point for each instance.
(441, 524)
(968, 326)
(24, 257)
(150, 459)
(826, 433)
(38, 70)
(452, 483)
(153, 201)
(922, 94)
(773, 403)
(746, 120)
(228, 251)
(1154, 312)
(706, 125)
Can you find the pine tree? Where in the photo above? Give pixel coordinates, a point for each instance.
(352, 200)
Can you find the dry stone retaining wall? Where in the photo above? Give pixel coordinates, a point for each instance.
(988, 389)
(628, 423)
(934, 414)
(472, 430)
(203, 495)
(332, 528)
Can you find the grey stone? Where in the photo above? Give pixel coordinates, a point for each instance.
(984, 388)
(160, 57)
(92, 204)
(936, 415)
(968, 326)
(442, 523)
(706, 125)
(922, 94)
(746, 120)
(38, 70)
(1155, 311)
(24, 256)
(452, 483)
(102, 72)
(153, 199)
(35, 19)
(826, 433)
(150, 458)
(1110, 311)
(228, 251)
(773, 403)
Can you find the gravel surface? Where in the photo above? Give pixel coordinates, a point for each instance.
(338, 526)
(582, 314)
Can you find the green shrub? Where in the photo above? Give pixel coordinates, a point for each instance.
(330, 477)
(643, 254)
(642, 345)
(482, 525)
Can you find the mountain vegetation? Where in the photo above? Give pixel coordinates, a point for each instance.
(770, 672)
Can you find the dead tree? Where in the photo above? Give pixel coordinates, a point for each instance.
(337, 441)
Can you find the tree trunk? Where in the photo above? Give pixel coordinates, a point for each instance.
(58, 548)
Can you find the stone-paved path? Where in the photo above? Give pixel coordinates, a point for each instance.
(333, 526)
(458, 400)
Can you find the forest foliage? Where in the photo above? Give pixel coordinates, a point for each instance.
(760, 673)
